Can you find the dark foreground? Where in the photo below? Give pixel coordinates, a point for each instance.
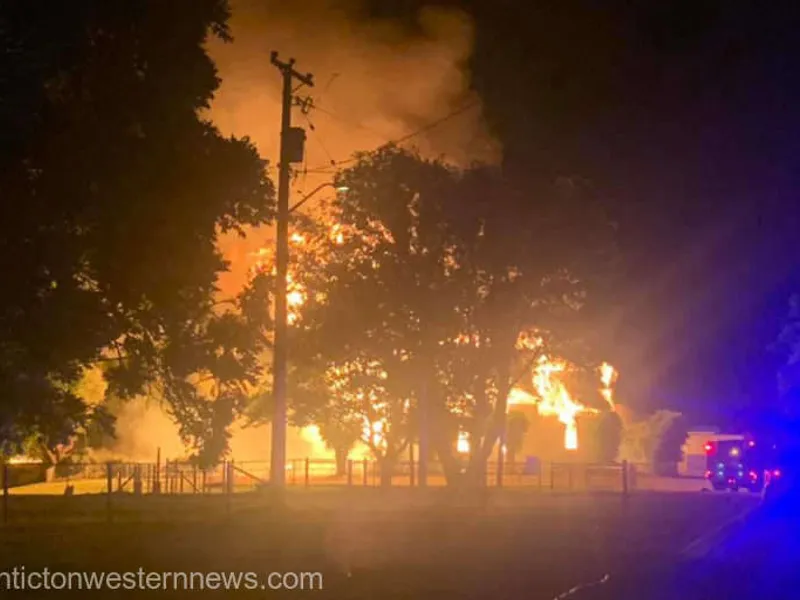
(755, 557)
(520, 546)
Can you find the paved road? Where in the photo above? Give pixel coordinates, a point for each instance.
(757, 556)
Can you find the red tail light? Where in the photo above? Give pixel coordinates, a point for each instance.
(753, 475)
(710, 448)
(776, 473)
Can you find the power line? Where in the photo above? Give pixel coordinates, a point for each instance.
(438, 122)
(432, 125)
(352, 123)
(318, 137)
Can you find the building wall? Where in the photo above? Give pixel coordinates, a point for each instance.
(545, 438)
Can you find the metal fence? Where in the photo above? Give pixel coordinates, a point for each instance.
(179, 477)
(179, 490)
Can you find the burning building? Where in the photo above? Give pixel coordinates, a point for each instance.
(561, 422)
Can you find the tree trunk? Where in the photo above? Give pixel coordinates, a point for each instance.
(51, 459)
(476, 471)
(386, 466)
(442, 445)
(341, 461)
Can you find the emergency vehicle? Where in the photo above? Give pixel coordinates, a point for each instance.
(737, 462)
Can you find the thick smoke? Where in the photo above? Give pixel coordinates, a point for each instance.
(376, 81)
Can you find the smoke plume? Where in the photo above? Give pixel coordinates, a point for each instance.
(376, 81)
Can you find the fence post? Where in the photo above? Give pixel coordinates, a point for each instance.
(229, 487)
(194, 478)
(231, 477)
(5, 492)
(109, 488)
(203, 477)
(411, 473)
(157, 474)
(349, 472)
(294, 471)
(552, 475)
(624, 478)
(500, 464)
(137, 479)
(365, 473)
(307, 474)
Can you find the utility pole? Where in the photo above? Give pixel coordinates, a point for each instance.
(291, 151)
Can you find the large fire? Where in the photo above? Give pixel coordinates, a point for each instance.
(554, 399)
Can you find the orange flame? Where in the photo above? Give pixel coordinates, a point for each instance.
(608, 377)
(554, 399)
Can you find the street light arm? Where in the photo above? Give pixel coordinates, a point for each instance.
(308, 196)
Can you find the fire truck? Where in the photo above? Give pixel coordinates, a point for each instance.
(737, 462)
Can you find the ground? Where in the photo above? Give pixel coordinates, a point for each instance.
(393, 544)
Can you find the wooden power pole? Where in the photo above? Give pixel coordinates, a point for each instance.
(292, 141)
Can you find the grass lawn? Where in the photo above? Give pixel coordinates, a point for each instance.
(395, 545)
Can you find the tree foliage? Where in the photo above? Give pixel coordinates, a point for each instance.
(366, 318)
(114, 193)
(429, 281)
(788, 347)
(607, 437)
(655, 441)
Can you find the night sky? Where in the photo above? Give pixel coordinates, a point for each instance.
(683, 116)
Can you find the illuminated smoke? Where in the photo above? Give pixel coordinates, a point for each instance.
(376, 81)
(380, 80)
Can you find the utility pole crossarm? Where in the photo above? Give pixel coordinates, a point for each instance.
(288, 67)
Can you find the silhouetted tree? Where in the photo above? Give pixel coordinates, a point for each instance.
(788, 347)
(656, 441)
(669, 451)
(426, 278)
(516, 427)
(114, 192)
(607, 437)
(525, 271)
(374, 279)
(340, 436)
